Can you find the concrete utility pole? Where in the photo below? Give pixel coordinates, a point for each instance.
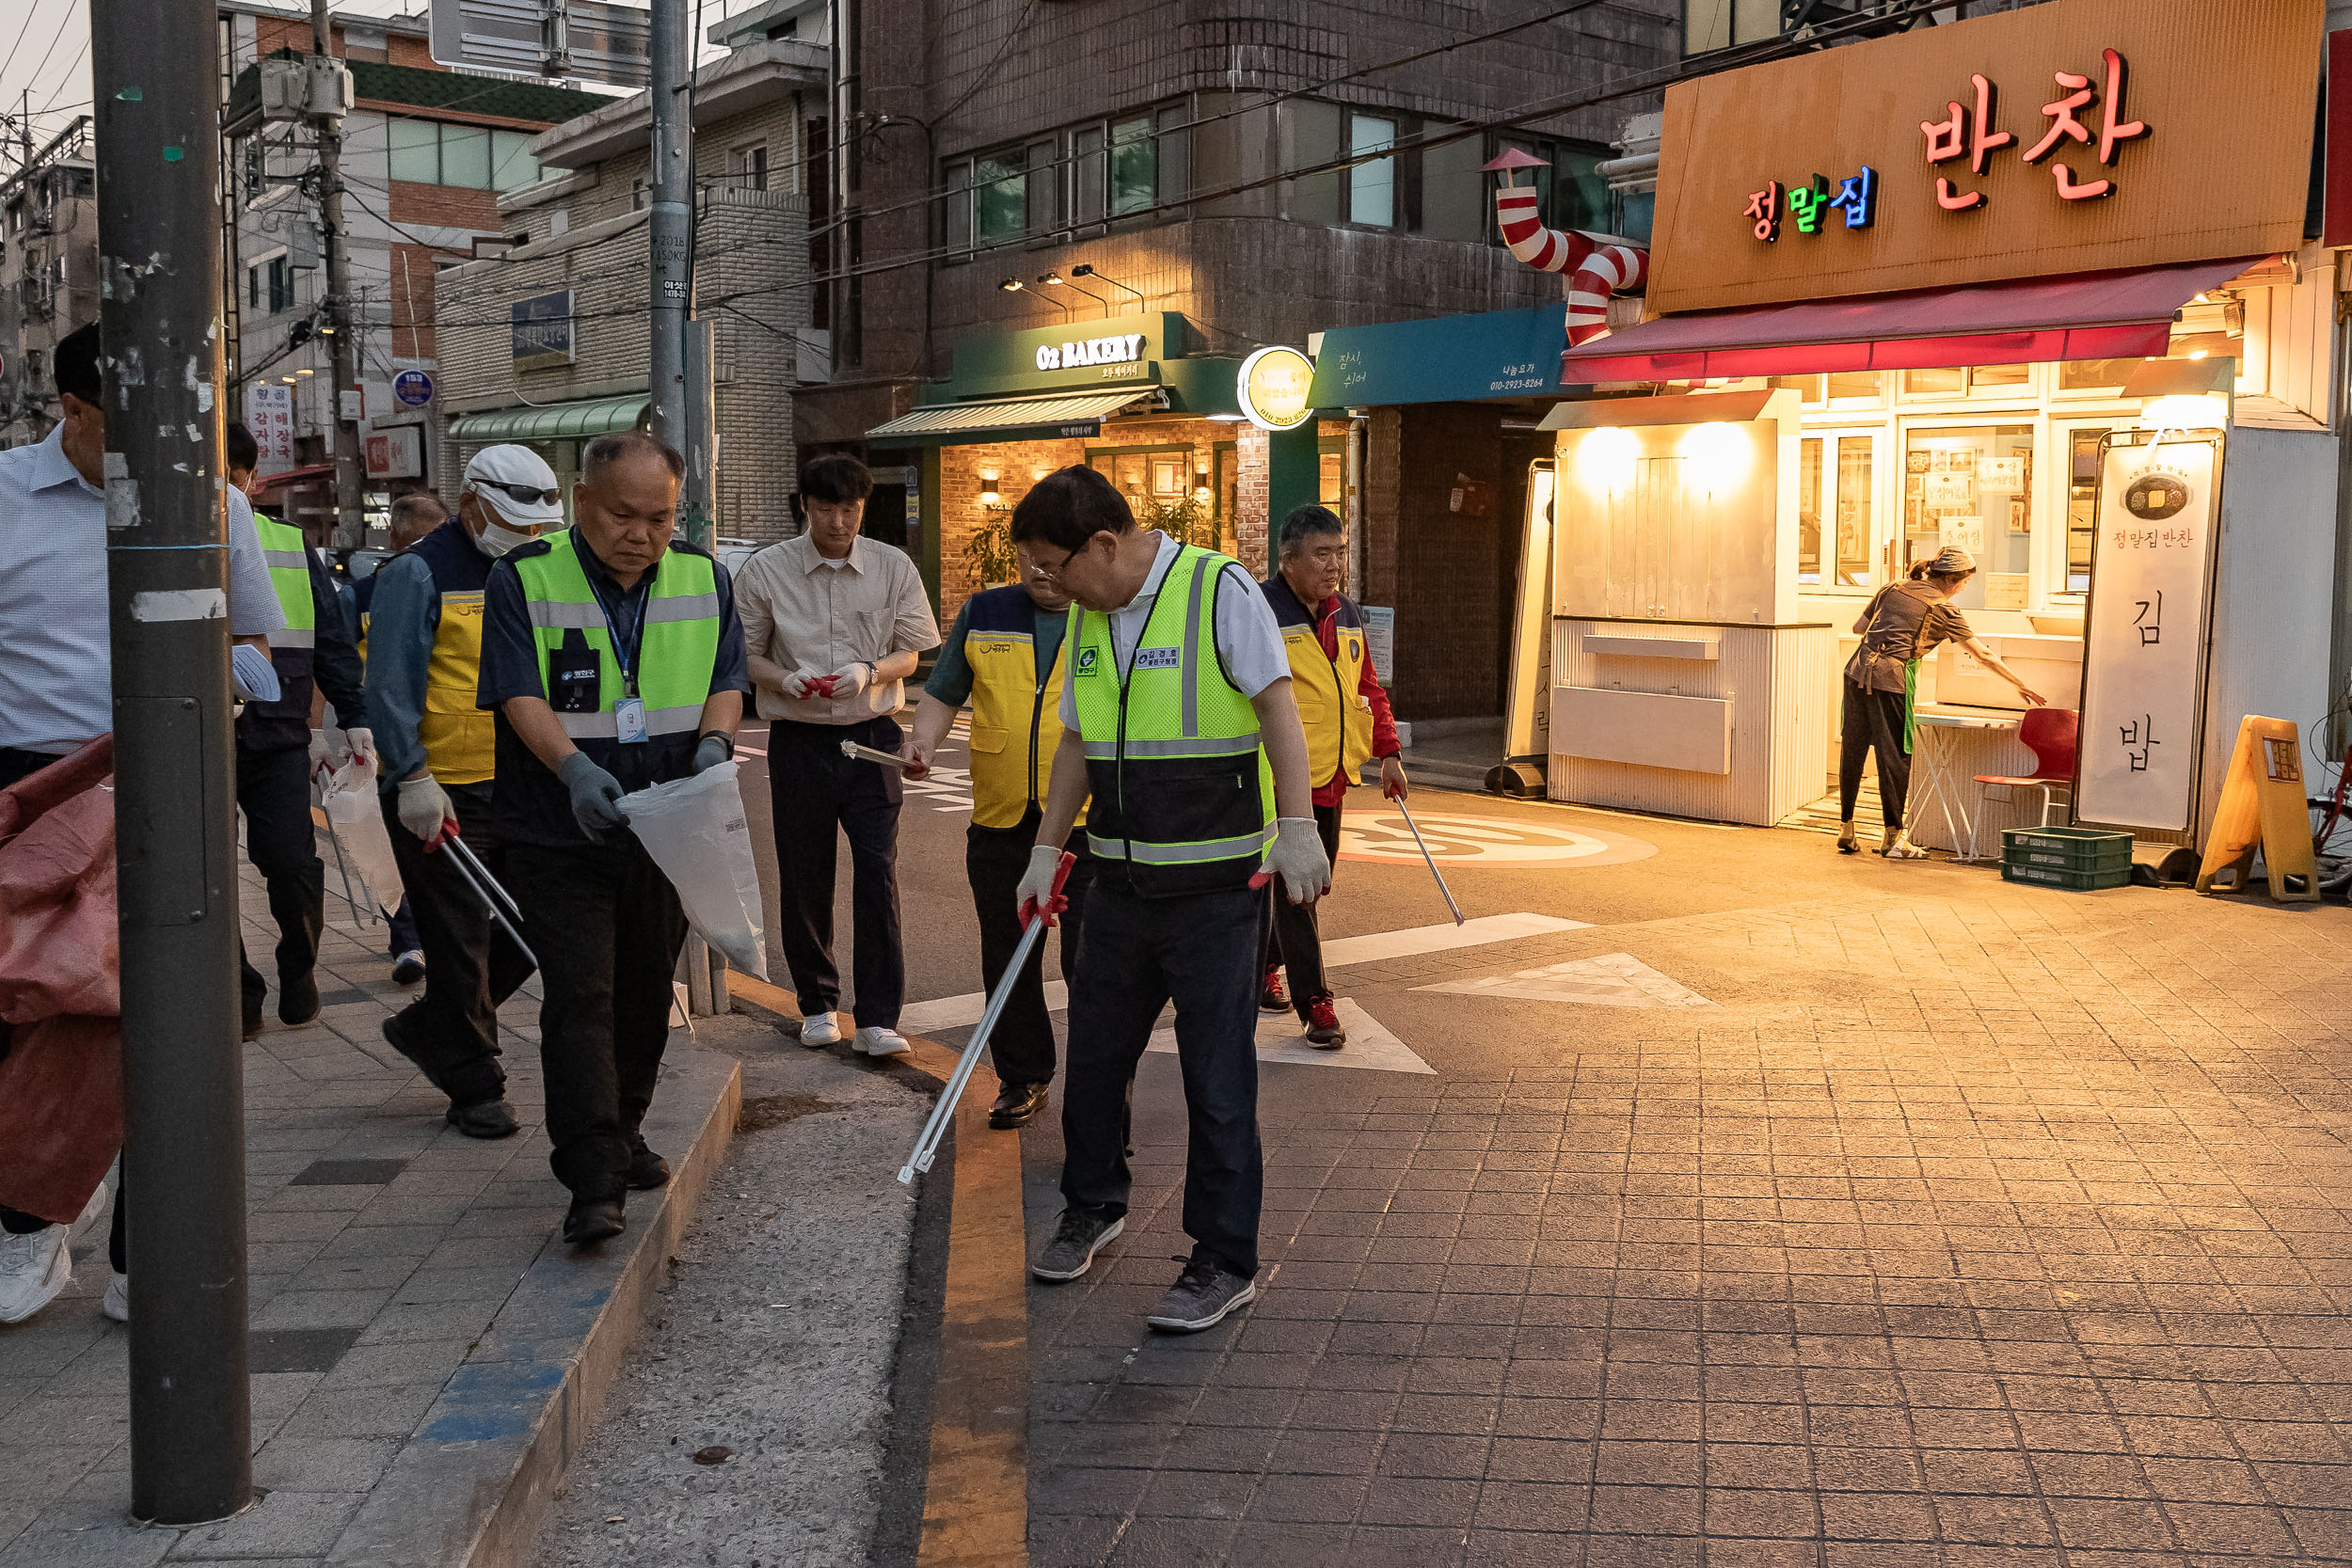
(175, 823)
(672, 219)
(343, 346)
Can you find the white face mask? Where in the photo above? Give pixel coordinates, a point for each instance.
(496, 538)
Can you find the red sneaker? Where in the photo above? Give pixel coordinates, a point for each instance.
(1272, 997)
(1323, 1025)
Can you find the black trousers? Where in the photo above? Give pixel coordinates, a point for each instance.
(994, 861)
(1136, 956)
(812, 791)
(15, 764)
(402, 936)
(608, 929)
(1292, 938)
(1873, 721)
(471, 965)
(274, 792)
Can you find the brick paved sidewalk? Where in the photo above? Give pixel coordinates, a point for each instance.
(384, 1248)
(1966, 1223)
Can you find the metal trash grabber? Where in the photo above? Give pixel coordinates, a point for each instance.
(370, 914)
(927, 1145)
(1432, 861)
(487, 887)
(852, 750)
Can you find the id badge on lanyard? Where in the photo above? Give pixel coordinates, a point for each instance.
(628, 720)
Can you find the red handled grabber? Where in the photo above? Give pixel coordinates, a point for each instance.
(927, 1145)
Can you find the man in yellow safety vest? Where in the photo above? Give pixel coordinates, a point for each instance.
(1181, 738)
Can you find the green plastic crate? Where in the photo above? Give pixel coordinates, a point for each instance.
(2074, 881)
(2067, 848)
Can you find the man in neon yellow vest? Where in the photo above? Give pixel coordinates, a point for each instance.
(615, 660)
(1182, 739)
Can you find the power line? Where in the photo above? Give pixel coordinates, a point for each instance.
(30, 11)
(55, 38)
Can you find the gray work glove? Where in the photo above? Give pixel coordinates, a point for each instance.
(596, 796)
(1298, 858)
(714, 750)
(425, 809)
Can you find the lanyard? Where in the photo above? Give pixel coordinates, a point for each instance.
(625, 652)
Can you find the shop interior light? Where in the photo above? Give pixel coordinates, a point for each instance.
(2186, 411)
(1222, 419)
(304, 373)
(1604, 460)
(1719, 453)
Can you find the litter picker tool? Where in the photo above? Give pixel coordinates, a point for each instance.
(503, 906)
(927, 1145)
(888, 759)
(1432, 861)
(369, 915)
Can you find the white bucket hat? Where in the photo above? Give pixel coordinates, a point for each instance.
(518, 485)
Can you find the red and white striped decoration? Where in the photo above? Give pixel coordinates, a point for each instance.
(1597, 269)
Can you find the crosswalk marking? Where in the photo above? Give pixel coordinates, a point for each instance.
(1611, 980)
(957, 1012)
(1283, 1039)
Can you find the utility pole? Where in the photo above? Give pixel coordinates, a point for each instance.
(175, 825)
(672, 220)
(344, 348)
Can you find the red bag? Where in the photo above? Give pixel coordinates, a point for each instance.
(61, 1114)
(60, 986)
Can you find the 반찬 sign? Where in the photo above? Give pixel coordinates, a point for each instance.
(2074, 136)
(2143, 655)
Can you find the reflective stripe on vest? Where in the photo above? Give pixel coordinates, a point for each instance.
(289, 566)
(678, 644)
(1332, 708)
(1182, 796)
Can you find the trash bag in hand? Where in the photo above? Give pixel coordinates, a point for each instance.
(695, 830)
(354, 816)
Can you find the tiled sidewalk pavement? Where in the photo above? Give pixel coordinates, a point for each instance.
(383, 1245)
(1986, 1226)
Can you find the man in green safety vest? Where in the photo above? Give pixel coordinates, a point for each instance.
(276, 754)
(615, 660)
(1179, 721)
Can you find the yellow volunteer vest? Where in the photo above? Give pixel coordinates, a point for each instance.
(1331, 705)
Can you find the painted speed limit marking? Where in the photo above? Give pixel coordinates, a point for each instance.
(1493, 840)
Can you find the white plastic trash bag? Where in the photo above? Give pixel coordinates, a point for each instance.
(355, 818)
(695, 830)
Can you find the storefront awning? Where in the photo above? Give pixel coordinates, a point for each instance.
(554, 421)
(1495, 353)
(2108, 315)
(963, 425)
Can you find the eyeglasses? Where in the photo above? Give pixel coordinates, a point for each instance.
(1053, 573)
(527, 494)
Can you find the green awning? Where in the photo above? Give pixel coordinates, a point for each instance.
(961, 424)
(554, 421)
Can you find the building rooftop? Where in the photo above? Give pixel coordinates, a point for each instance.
(473, 93)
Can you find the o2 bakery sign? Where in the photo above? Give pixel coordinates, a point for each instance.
(2075, 135)
(1125, 349)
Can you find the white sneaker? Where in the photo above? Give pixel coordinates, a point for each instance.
(117, 1302)
(881, 1042)
(820, 1030)
(33, 1268)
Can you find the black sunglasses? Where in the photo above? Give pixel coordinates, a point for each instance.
(527, 494)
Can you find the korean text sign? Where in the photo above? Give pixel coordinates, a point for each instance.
(2072, 137)
(2145, 648)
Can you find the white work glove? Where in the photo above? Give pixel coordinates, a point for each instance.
(850, 679)
(362, 743)
(803, 684)
(322, 754)
(1036, 891)
(1298, 859)
(425, 808)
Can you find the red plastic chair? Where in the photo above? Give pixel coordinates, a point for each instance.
(2050, 733)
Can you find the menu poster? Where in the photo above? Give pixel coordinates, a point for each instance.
(2005, 590)
(1964, 530)
(2003, 473)
(2143, 649)
(1950, 489)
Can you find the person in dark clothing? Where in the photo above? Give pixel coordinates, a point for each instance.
(1900, 626)
(275, 760)
(414, 516)
(613, 660)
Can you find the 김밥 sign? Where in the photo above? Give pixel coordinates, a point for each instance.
(2143, 656)
(2072, 137)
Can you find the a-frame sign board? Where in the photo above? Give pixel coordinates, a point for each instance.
(2263, 807)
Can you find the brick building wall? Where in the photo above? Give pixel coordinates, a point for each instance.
(1444, 570)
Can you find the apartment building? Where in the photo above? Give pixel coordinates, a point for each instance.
(48, 274)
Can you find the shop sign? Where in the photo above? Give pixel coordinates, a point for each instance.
(1273, 386)
(395, 454)
(1072, 354)
(412, 389)
(543, 331)
(2072, 137)
(269, 414)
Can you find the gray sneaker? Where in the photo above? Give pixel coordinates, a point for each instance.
(1076, 1238)
(1201, 1297)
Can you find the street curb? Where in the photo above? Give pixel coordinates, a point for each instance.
(473, 1486)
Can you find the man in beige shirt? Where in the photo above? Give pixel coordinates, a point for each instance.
(833, 624)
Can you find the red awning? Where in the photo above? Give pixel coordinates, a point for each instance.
(2102, 315)
(296, 478)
